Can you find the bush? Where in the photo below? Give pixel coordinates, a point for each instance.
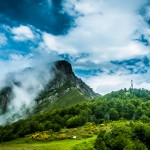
(135, 136)
(144, 119)
(101, 121)
(40, 136)
(76, 121)
(84, 146)
(135, 145)
(100, 144)
(102, 125)
(62, 136)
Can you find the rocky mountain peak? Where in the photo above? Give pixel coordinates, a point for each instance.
(64, 74)
(64, 67)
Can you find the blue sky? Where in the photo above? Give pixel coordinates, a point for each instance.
(106, 41)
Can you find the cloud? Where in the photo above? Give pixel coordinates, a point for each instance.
(3, 39)
(22, 33)
(103, 29)
(16, 63)
(58, 44)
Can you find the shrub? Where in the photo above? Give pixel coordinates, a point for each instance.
(62, 136)
(102, 125)
(84, 146)
(101, 121)
(135, 136)
(40, 136)
(76, 121)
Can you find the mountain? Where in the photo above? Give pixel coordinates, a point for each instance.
(64, 89)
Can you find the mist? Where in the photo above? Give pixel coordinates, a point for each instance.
(27, 77)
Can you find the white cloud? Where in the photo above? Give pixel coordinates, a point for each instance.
(105, 30)
(22, 33)
(15, 64)
(57, 43)
(3, 39)
(84, 7)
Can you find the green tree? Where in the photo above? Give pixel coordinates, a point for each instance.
(113, 114)
(76, 121)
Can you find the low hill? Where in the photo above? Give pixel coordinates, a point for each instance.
(129, 94)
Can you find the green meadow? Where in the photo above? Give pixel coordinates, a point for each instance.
(67, 144)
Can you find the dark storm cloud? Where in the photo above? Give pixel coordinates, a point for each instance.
(46, 15)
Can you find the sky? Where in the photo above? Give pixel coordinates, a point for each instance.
(106, 41)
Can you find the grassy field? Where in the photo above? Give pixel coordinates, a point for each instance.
(70, 98)
(67, 144)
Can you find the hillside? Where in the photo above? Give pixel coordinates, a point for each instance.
(71, 97)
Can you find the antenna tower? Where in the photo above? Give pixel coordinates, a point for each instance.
(131, 84)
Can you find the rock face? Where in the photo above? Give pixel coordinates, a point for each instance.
(64, 81)
(64, 78)
(64, 68)
(64, 71)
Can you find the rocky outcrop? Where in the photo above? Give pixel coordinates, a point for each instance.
(64, 71)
